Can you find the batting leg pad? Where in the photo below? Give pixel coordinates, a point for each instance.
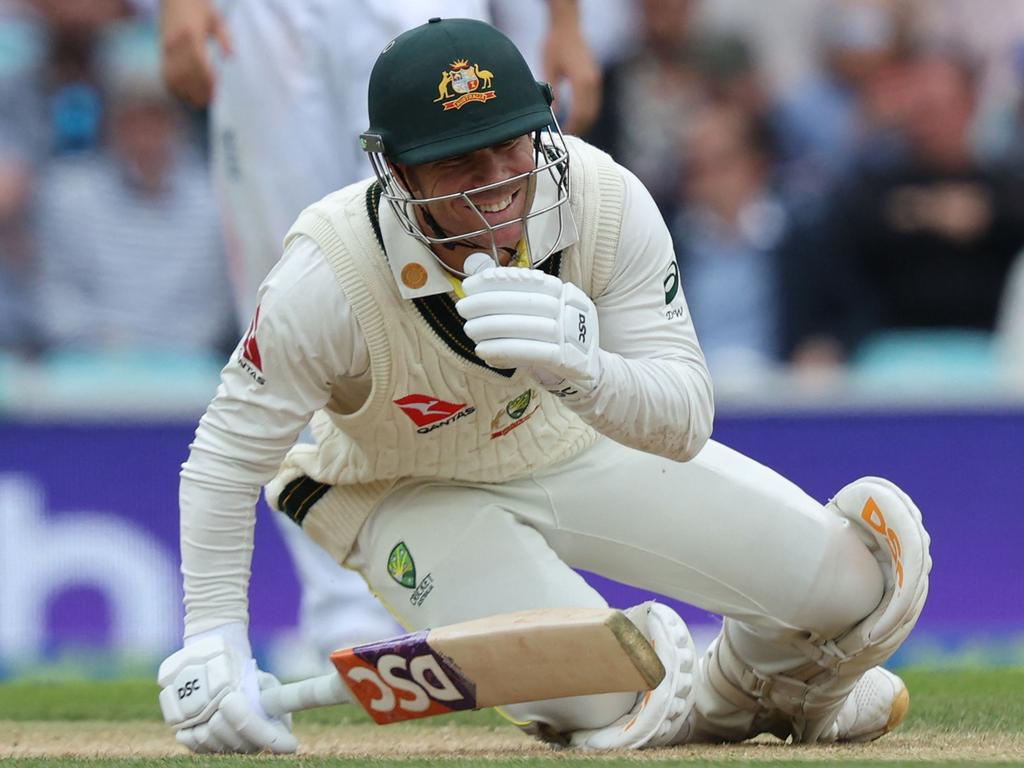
(890, 525)
(660, 714)
(738, 701)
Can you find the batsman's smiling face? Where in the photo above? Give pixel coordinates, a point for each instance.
(477, 169)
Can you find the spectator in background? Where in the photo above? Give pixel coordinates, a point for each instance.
(648, 95)
(1000, 132)
(17, 331)
(23, 147)
(735, 241)
(129, 236)
(847, 114)
(24, 47)
(730, 73)
(992, 32)
(927, 243)
(782, 40)
(71, 90)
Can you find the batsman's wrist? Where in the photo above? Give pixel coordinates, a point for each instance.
(235, 634)
(572, 391)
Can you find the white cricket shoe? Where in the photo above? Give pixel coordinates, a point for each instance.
(876, 705)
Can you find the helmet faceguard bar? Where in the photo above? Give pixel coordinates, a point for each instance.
(551, 158)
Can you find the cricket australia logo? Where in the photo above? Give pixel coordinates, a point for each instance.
(469, 83)
(403, 570)
(515, 413)
(401, 566)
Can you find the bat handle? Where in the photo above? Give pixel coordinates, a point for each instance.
(320, 691)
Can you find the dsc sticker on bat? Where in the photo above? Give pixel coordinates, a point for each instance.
(401, 681)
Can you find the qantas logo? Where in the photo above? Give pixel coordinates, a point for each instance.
(250, 349)
(250, 360)
(429, 413)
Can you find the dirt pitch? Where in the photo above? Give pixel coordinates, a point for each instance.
(144, 739)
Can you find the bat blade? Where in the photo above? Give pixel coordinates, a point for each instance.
(502, 659)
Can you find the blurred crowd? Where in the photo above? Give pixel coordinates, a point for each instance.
(853, 209)
(109, 232)
(844, 179)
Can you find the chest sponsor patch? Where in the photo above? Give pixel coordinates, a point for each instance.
(430, 413)
(518, 410)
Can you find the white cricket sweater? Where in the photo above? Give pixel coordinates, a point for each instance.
(315, 354)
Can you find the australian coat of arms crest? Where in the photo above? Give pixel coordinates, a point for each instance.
(464, 83)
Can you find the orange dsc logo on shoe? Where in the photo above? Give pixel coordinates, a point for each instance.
(872, 515)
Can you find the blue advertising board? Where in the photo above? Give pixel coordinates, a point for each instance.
(89, 526)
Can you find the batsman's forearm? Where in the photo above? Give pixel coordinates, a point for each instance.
(217, 521)
(664, 407)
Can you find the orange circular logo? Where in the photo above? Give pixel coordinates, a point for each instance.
(414, 275)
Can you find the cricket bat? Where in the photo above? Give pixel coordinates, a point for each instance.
(503, 659)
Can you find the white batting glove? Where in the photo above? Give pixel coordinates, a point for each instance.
(210, 695)
(525, 318)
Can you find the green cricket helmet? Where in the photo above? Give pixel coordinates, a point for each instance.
(447, 88)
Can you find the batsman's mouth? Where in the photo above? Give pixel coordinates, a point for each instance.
(499, 209)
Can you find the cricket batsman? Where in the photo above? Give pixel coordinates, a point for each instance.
(491, 341)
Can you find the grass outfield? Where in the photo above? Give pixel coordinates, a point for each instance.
(956, 717)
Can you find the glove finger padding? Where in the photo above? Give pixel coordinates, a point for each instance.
(271, 735)
(188, 738)
(512, 279)
(517, 353)
(660, 714)
(229, 738)
(489, 327)
(266, 682)
(206, 739)
(509, 303)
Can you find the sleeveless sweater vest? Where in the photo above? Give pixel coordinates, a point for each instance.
(434, 409)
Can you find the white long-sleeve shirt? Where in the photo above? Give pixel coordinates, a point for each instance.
(654, 394)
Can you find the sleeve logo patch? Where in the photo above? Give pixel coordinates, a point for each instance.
(671, 283)
(249, 359)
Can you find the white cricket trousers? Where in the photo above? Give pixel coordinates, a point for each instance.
(721, 532)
